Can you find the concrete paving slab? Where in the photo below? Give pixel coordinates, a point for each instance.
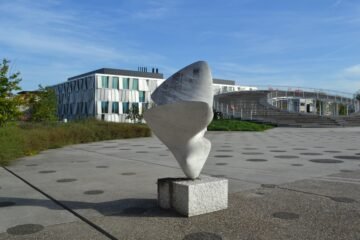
(20, 204)
(113, 183)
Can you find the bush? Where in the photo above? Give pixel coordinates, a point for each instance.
(236, 125)
(30, 138)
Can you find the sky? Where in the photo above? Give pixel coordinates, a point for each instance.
(307, 43)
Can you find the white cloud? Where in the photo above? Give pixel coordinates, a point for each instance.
(353, 71)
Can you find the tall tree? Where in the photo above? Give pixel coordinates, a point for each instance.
(9, 103)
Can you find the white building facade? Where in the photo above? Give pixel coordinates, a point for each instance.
(106, 94)
(224, 86)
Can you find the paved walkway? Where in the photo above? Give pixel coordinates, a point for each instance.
(284, 184)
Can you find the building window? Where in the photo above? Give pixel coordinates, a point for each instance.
(115, 82)
(115, 107)
(104, 81)
(135, 85)
(104, 107)
(126, 83)
(125, 107)
(141, 96)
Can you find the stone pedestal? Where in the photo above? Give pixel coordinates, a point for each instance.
(193, 197)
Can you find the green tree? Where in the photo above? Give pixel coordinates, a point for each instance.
(43, 105)
(134, 114)
(9, 103)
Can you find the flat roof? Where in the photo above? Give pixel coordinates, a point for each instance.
(223, 81)
(114, 71)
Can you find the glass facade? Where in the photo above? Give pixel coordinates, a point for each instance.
(126, 83)
(104, 81)
(104, 107)
(115, 107)
(125, 107)
(115, 82)
(141, 96)
(135, 85)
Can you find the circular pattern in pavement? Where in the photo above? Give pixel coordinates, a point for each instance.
(47, 171)
(268, 185)
(94, 192)
(128, 173)
(202, 236)
(256, 160)
(325, 161)
(286, 215)
(6, 204)
(102, 166)
(348, 157)
(252, 153)
(221, 164)
(311, 154)
(286, 156)
(66, 180)
(25, 229)
(297, 164)
(31, 165)
(224, 150)
(223, 156)
(342, 199)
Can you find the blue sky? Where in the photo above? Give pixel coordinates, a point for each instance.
(306, 43)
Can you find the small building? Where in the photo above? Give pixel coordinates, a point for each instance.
(107, 94)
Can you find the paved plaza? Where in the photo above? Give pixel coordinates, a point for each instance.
(285, 183)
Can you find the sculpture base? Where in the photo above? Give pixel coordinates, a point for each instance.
(193, 197)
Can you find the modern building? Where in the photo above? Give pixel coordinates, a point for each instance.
(223, 86)
(106, 93)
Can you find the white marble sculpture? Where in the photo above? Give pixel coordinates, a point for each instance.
(184, 109)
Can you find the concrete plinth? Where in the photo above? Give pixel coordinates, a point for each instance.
(193, 197)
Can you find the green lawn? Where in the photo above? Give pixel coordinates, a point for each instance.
(26, 139)
(236, 125)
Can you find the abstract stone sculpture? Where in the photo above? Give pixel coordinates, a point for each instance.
(183, 111)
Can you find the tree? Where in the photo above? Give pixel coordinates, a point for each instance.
(357, 95)
(43, 105)
(9, 103)
(134, 114)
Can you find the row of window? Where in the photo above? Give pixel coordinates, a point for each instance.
(115, 83)
(115, 107)
(75, 85)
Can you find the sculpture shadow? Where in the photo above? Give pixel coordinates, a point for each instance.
(129, 207)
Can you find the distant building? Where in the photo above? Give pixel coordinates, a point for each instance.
(223, 86)
(106, 93)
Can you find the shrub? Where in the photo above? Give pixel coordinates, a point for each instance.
(30, 138)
